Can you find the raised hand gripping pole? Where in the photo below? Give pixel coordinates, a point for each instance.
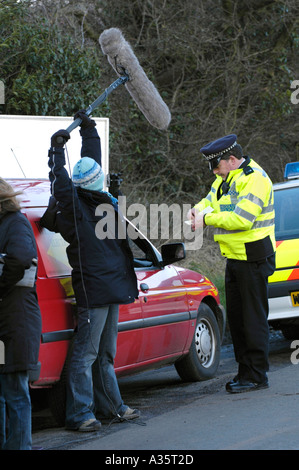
(120, 81)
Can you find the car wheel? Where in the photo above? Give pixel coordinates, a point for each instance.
(290, 331)
(202, 361)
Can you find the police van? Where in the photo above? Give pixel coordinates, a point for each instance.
(284, 283)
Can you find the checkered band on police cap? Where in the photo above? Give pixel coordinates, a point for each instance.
(219, 147)
(88, 174)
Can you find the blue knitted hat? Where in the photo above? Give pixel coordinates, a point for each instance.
(87, 174)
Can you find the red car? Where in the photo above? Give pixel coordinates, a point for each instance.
(177, 319)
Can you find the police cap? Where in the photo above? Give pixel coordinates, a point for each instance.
(219, 147)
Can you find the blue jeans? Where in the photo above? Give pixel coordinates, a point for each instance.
(15, 399)
(92, 387)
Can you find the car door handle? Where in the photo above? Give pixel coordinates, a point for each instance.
(144, 287)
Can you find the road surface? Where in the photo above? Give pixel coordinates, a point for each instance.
(193, 416)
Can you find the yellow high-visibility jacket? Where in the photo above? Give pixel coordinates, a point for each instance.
(244, 217)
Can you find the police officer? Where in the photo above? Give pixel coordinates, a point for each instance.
(243, 218)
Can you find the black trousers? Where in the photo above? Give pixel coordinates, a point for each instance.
(246, 285)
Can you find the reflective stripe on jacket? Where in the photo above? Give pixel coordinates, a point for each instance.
(244, 217)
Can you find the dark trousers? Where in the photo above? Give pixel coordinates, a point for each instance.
(246, 285)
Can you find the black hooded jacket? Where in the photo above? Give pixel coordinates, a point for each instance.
(20, 318)
(102, 266)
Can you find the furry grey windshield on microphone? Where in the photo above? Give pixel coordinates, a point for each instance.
(122, 58)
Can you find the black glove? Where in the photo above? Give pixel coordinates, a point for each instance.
(86, 121)
(60, 138)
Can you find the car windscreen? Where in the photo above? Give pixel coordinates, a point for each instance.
(286, 213)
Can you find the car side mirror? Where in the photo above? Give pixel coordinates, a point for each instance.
(172, 252)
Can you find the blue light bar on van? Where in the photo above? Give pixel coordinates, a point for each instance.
(291, 171)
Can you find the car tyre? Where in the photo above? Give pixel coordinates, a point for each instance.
(290, 332)
(202, 361)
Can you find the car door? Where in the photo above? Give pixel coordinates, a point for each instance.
(129, 339)
(164, 305)
(284, 283)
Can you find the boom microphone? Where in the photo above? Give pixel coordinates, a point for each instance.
(122, 58)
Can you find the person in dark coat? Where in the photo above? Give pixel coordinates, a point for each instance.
(20, 321)
(103, 277)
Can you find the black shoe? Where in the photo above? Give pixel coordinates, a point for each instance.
(231, 382)
(241, 386)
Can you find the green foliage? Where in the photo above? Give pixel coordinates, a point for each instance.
(44, 70)
(222, 66)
